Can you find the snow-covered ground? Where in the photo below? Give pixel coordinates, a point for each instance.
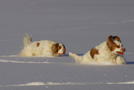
(80, 25)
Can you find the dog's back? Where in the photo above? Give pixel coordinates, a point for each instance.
(36, 48)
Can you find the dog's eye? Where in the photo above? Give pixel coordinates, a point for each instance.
(118, 46)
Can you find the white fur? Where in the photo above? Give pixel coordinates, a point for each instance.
(44, 49)
(105, 56)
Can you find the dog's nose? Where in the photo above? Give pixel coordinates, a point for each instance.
(123, 49)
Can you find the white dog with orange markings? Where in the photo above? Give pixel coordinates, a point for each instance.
(108, 52)
(44, 48)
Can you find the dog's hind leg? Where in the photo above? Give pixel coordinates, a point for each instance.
(26, 53)
(120, 60)
(77, 58)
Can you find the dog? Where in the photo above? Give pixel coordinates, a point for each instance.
(44, 48)
(109, 52)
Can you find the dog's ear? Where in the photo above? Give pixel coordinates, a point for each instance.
(55, 48)
(59, 47)
(110, 42)
(116, 38)
(93, 51)
(110, 38)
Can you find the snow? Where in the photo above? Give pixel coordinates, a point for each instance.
(80, 25)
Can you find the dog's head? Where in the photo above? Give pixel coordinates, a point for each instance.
(58, 49)
(115, 45)
(61, 49)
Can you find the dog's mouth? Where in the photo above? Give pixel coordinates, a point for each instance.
(120, 53)
(64, 50)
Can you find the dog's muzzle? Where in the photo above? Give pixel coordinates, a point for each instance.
(64, 50)
(121, 52)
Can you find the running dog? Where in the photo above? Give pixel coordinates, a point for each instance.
(108, 52)
(44, 48)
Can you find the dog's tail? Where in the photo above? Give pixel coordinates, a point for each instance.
(77, 58)
(27, 39)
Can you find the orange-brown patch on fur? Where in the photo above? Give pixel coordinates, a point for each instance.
(59, 47)
(93, 52)
(38, 44)
(112, 46)
(55, 48)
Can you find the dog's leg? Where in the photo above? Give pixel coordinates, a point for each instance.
(120, 60)
(26, 53)
(77, 58)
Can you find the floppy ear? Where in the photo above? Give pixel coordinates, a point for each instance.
(59, 47)
(55, 48)
(110, 38)
(110, 42)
